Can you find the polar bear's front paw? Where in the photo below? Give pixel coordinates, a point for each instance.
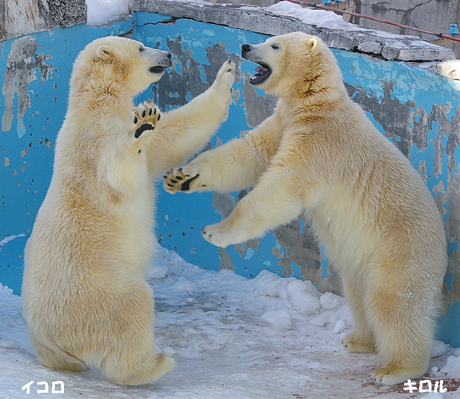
(179, 180)
(222, 235)
(214, 235)
(144, 119)
(226, 76)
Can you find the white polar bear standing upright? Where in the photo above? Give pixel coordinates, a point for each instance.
(320, 154)
(85, 298)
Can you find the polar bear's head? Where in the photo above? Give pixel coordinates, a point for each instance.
(289, 62)
(120, 61)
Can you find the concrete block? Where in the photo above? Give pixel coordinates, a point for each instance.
(65, 13)
(370, 47)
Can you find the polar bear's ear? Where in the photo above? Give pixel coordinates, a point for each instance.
(312, 44)
(104, 52)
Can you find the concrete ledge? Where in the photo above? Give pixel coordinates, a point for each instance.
(261, 20)
(31, 16)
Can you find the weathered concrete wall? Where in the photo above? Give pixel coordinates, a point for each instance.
(417, 110)
(21, 17)
(433, 15)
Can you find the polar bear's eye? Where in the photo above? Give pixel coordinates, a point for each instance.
(275, 47)
(141, 49)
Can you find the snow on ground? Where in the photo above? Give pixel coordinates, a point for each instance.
(233, 338)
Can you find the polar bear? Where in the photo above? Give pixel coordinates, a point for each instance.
(319, 153)
(85, 298)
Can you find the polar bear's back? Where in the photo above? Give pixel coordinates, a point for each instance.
(378, 205)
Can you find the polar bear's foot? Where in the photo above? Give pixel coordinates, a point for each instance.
(56, 361)
(355, 344)
(390, 375)
(149, 371)
(144, 119)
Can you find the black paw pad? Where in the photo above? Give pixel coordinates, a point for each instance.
(142, 129)
(186, 184)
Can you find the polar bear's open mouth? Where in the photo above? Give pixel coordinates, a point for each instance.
(157, 69)
(263, 72)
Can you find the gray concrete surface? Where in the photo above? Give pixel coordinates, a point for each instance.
(260, 20)
(22, 17)
(28, 16)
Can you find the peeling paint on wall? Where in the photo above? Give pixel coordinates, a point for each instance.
(297, 244)
(258, 107)
(433, 134)
(418, 112)
(20, 72)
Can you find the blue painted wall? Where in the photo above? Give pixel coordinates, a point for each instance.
(419, 112)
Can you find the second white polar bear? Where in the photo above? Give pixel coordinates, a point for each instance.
(320, 154)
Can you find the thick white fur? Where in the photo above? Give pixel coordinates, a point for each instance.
(86, 301)
(319, 153)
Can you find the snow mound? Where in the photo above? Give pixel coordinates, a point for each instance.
(318, 321)
(270, 284)
(303, 297)
(439, 348)
(184, 287)
(278, 320)
(101, 12)
(5, 291)
(452, 367)
(330, 301)
(320, 18)
(340, 326)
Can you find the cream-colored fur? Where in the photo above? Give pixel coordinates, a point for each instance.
(86, 301)
(320, 154)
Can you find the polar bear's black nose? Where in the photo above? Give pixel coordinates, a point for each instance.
(169, 56)
(246, 48)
